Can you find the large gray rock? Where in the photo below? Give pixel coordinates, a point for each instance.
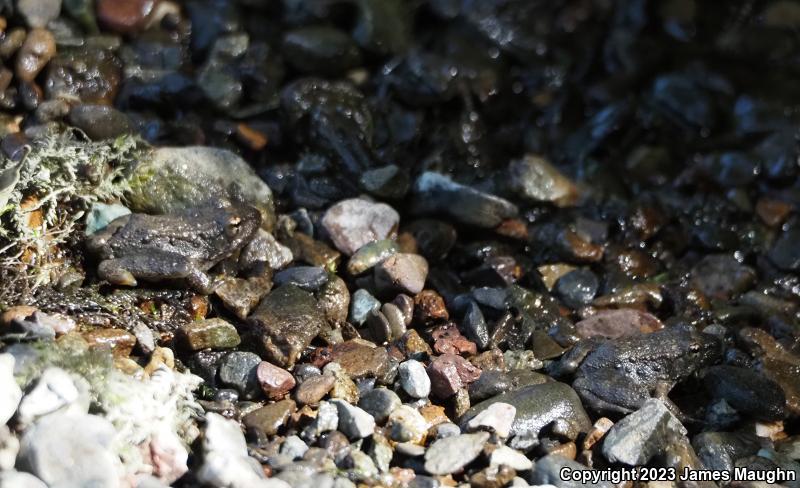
(172, 179)
(10, 392)
(64, 449)
(643, 434)
(537, 406)
(285, 323)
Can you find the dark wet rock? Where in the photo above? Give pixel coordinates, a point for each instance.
(370, 254)
(643, 434)
(285, 323)
(379, 403)
(89, 74)
(720, 450)
(722, 276)
(275, 382)
(309, 278)
(320, 50)
(448, 455)
(209, 333)
(389, 182)
(449, 373)
(361, 305)
(238, 370)
(437, 194)
(475, 327)
(538, 406)
(402, 272)
(748, 392)
(613, 324)
(353, 223)
(577, 288)
(396, 319)
(100, 121)
(784, 253)
(379, 327)
(777, 363)
(267, 420)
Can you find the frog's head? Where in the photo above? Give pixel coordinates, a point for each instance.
(240, 223)
(703, 349)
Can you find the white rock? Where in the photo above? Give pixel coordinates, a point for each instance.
(498, 418)
(68, 449)
(54, 390)
(9, 447)
(223, 435)
(354, 222)
(406, 424)
(450, 454)
(354, 422)
(10, 392)
(17, 479)
(512, 458)
(414, 379)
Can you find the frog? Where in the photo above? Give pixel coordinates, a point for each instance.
(617, 376)
(180, 246)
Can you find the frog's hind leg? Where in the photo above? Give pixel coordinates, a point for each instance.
(607, 392)
(115, 272)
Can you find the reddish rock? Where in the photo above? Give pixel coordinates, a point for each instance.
(412, 346)
(429, 307)
(119, 341)
(623, 322)
(275, 382)
(449, 373)
(321, 356)
(448, 340)
(124, 16)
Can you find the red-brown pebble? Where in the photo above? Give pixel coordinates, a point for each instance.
(37, 50)
(275, 382)
(449, 373)
(429, 307)
(124, 16)
(448, 340)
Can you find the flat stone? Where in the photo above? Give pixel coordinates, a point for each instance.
(240, 295)
(309, 278)
(497, 418)
(275, 382)
(71, 450)
(119, 341)
(208, 334)
(285, 323)
(451, 454)
(314, 389)
(360, 359)
(354, 422)
(402, 272)
(449, 373)
(613, 324)
(635, 439)
(355, 222)
(414, 379)
(269, 418)
(10, 392)
(238, 370)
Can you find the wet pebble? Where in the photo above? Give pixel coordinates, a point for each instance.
(267, 420)
(353, 223)
(577, 288)
(208, 334)
(450, 454)
(275, 382)
(414, 379)
(748, 392)
(100, 122)
(475, 327)
(238, 370)
(37, 50)
(379, 403)
(402, 272)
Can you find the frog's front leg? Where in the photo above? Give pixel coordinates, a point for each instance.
(116, 272)
(570, 362)
(200, 281)
(661, 392)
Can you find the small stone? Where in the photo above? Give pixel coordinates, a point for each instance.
(238, 370)
(492, 477)
(240, 295)
(124, 16)
(326, 421)
(448, 340)
(208, 334)
(38, 13)
(414, 379)
(396, 319)
(101, 214)
(379, 328)
(118, 341)
(314, 389)
(548, 472)
(225, 459)
(449, 373)
(451, 454)
(635, 439)
(498, 418)
(409, 449)
(343, 387)
(512, 458)
(577, 288)
(268, 419)
(354, 422)
(721, 276)
(413, 346)
(355, 222)
(747, 391)
(37, 50)
(334, 299)
(294, 447)
(429, 307)
(406, 424)
(100, 122)
(361, 305)
(599, 429)
(475, 327)
(265, 248)
(613, 324)
(371, 254)
(309, 278)
(388, 182)
(536, 179)
(380, 403)
(67, 449)
(10, 392)
(275, 382)
(402, 272)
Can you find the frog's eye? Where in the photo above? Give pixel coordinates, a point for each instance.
(232, 226)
